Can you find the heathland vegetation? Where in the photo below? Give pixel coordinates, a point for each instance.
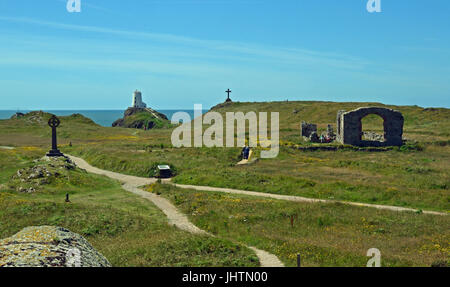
(415, 175)
(126, 229)
(324, 234)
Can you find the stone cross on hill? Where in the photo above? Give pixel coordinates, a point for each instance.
(228, 97)
(54, 122)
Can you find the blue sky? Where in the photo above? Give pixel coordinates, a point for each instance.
(183, 52)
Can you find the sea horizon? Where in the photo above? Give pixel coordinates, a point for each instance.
(104, 117)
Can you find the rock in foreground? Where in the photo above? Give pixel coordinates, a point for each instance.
(49, 246)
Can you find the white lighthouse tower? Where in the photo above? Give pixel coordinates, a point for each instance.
(137, 100)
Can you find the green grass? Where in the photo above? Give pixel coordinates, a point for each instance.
(128, 230)
(422, 124)
(417, 179)
(324, 234)
(415, 175)
(145, 117)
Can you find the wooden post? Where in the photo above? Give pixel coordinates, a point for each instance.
(298, 260)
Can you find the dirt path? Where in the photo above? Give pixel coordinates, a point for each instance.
(300, 199)
(153, 113)
(7, 147)
(131, 184)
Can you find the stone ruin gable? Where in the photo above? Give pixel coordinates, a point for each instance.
(349, 127)
(307, 129)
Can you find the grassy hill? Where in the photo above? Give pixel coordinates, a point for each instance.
(419, 177)
(142, 118)
(127, 229)
(33, 129)
(328, 235)
(422, 124)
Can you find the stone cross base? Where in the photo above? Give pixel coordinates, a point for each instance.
(55, 153)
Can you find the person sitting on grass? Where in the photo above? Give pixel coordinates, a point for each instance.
(245, 152)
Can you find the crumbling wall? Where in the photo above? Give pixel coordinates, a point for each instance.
(330, 132)
(349, 127)
(307, 129)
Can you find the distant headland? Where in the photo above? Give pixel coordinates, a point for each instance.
(139, 116)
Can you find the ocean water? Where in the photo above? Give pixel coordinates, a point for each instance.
(102, 117)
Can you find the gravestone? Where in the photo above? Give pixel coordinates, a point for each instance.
(54, 122)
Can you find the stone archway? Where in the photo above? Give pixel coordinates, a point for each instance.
(349, 127)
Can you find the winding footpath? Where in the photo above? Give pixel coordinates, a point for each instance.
(301, 199)
(7, 147)
(175, 217)
(132, 184)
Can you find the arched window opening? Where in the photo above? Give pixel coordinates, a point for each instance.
(372, 128)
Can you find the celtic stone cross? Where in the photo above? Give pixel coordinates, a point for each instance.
(54, 122)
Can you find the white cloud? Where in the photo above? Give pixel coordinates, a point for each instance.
(245, 51)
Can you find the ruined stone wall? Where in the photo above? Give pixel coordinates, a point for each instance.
(307, 129)
(339, 127)
(349, 127)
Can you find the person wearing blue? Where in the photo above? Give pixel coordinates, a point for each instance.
(245, 152)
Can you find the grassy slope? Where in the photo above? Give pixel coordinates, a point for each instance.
(418, 179)
(324, 234)
(147, 117)
(127, 229)
(420, 124)
(409, 178)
